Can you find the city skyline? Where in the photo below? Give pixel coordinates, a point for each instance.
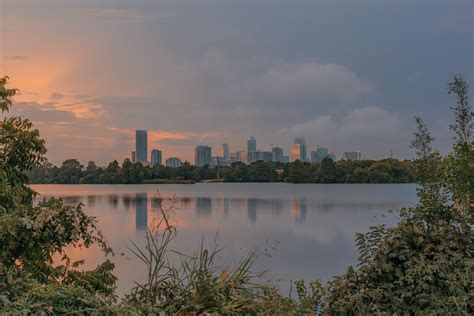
(207, 73)
(203, 154)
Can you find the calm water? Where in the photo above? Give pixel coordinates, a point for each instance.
(313, 224)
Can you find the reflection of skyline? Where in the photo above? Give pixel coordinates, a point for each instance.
(252, 210)
(141, 211)
(298, 208)
(203, 206)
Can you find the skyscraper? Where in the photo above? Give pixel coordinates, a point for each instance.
(251, 149)
(141, 146)
(156, 157)
(203, 156)
(298, 151)
(277, 154)
(319, 154)
(134, 158)
(225, 152)
(251, 144)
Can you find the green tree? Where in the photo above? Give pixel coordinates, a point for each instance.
(424, 264)
(31, 233)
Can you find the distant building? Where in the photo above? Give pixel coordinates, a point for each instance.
(239, 156)
(156, 157)
(225, 152)
(319, 154)
(352, 156)
(219, 161)
(332, 156)
(277, 154)
(134, 159)
(263, 155)
(286, 159)
(173, 162)
(141, 146)
(298, 150)
(251, 144)
(203, 156)
(251, 149)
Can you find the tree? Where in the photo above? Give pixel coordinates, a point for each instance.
(31, 233)
(424, 264)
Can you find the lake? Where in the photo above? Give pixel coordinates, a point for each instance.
(312, 225)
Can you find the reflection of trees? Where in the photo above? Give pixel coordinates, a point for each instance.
(91, 200)
(113, 200)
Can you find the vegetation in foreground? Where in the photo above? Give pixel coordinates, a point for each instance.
(367, 171)
(422, 265)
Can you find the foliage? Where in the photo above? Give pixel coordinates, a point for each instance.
(31, 233)
(424, 264)
(369, 171)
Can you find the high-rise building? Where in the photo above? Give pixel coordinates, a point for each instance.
(156, 157)
(225, 152)
(319, 154)
(251, 149)
(263, 155)
(134, 158)
(251, 144)
(141, 146)
(277, 154)
(351, 156)
(203, 156)
(286, 159)
(298, 151)
(173, 162)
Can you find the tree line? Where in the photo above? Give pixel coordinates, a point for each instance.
(72, 171)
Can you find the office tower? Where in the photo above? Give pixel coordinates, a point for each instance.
(134, 159)
(319, 154)
(156, 157)
(298, 151)
(251, 144)
(351, 156)
(251, 149)
(141, 146)
(263, 155)
(286, 159)
(225, 152)
(202, 156)
(277, 154)
(173, 162)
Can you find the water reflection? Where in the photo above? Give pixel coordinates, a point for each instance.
(141, 211)
(314, 224)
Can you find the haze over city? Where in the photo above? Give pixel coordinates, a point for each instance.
(347, 77)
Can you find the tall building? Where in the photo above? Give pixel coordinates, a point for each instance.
(263, 155)
(251, 144)
(134, 158)
(298, 151)
(352, 156)
(251, 149)
(141, 146)
(202, 156)
(277, 154)
(319, 154)
(156, 157)
(225, 152)
(173, 162)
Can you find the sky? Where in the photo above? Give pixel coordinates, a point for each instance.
(347, 75)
